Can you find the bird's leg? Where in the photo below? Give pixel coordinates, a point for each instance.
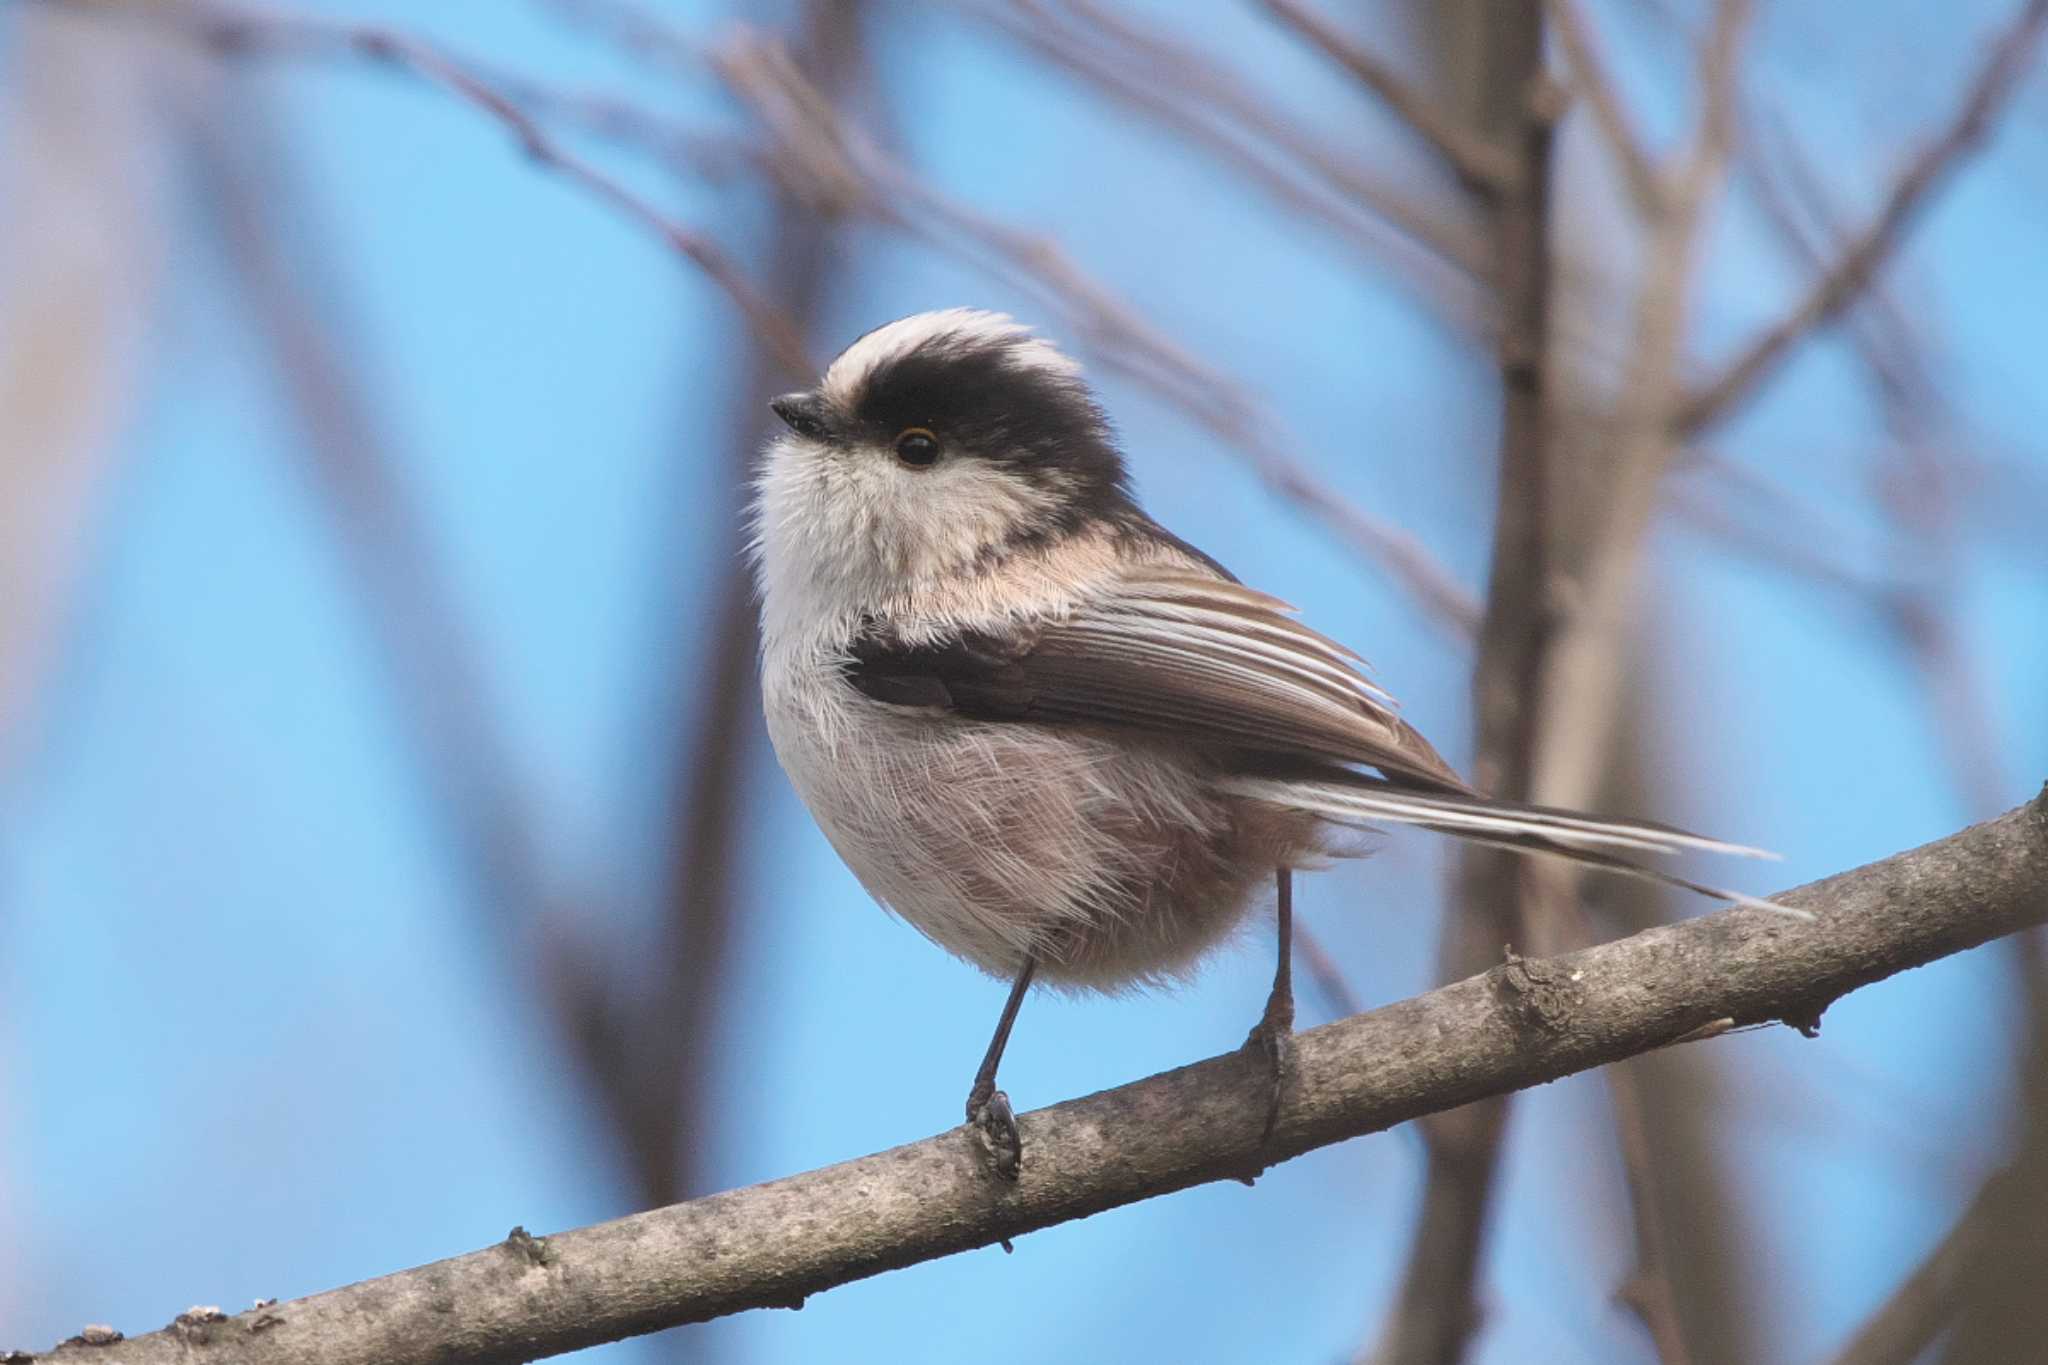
(988, 1108)
(1274, 1033)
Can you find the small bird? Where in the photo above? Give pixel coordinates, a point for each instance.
(1062, 742)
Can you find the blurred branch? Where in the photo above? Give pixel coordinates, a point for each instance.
(821, 155)
(234, 31)
(1482, 166)
(1917, 1312)
(1998, 1314)
(1124, 340)
(1921, 599)
(1203, 103)
(1592, 82)
(1435, 1310)
(651, 1052)
(1582, 664)
(1546, 651)
(1518, 1024)
(1647, 1291)
(439, 686)
(1753, 517)
(1684, 1286)
(1580, 653)
(82, 241)
(1322, 969)
(637, 29)
(1863, 255)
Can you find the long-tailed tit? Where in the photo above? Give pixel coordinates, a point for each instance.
(1062, 742)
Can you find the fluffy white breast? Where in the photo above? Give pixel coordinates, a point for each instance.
(841, 534)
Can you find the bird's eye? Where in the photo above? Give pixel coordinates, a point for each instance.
(917, 448)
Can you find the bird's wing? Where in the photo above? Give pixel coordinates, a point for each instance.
(1202, 659)
(1167, 650)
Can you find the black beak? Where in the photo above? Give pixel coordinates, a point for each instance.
(804, 414)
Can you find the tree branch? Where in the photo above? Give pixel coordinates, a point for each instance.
(1908, 1322)
(1434, 1311)
(819, 153)
(1519, 1024)
(647, 1051)
(1590, 79)
(1431, 253)
(1582, 669)
(233, 30)
(1840, 283)
(1480, 164)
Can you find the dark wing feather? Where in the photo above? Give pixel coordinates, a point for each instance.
(1170, 652)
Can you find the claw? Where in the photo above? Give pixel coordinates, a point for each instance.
(995, 1123)
(1274, 1037)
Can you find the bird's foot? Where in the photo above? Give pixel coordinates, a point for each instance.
(995, 1123)
(1273, 1038)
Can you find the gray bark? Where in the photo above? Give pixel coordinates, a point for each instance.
(1519, 1024)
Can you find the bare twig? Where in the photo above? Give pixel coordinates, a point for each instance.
(1322, 969)
(1128, 343)
(1582, 665)
(1918, 602)
(1432, 253)
(235, 30)
(2008, 60)
(1908, 1322)
(82, 227)
(1480, 164)
(1756, 519)
(1647, 1291)
(1435, 1309)
(1518, 1024)
(650, 1052)
(1996, 1311)
(1591, 80)
(637, 29)
(441, 689)
(1519, 692)
(823, 155)
(1916, 493)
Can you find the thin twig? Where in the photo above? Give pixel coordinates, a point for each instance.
(1916, 495)
(2008, 60)
(1582, 660)
(1647, 1291)
(1435, 1310)
(1582, 668)
(1919, 604)
(1205, 394)
(1518, 1024)
(1995, 1310)
(1323, 970)
(823, 154)
(1429, 252)
(1926, 1301)
(1519, 692)
(84, 221)
(442, 690)
(652, 1052)
(1484, 167)
(1592, 81)
(1209, 89)
(237, 30)
(1783, 537)
(637, 29)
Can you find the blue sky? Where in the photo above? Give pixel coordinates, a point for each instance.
(261, 1032)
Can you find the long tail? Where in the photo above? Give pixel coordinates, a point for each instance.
(1595, 840)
